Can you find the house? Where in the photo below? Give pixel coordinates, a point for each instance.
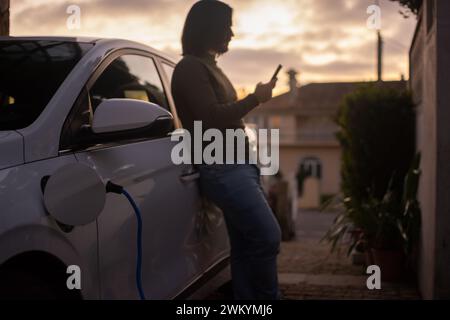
(310, 154)
(429, 82)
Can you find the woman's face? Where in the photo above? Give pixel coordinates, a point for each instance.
(226, 41)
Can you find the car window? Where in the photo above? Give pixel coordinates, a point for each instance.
(30, 73)
(168, 69)
(130, 76)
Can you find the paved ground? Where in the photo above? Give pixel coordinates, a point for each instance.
(307, 269)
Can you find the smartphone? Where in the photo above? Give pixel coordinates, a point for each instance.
(276, 72)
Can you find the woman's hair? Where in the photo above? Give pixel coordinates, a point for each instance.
(207, 27)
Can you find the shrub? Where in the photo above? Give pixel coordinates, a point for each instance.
(412, 5)
(379, 170)
(377, 135)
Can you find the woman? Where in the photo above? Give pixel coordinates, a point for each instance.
(202, 92)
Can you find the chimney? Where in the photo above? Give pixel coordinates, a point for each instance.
(293, 84)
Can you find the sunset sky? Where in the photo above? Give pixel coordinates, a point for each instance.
(325, 40)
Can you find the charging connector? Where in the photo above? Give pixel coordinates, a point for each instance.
(118, 189)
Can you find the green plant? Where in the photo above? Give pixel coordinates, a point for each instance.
(326, 197)
(412, 5)
(409, 223)
(352, 217)
(377, 136)
(387, 211)
(391, 222)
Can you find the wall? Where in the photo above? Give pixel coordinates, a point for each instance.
(442, 290)
(430, 65)
(423, 83)
(290, 158)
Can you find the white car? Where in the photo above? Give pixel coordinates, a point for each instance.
(104, 104)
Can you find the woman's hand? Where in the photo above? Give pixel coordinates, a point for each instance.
(263, 91)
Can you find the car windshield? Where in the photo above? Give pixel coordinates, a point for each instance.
(30, 73)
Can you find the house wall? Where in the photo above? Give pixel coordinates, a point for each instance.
(423, 83)
(318, 128)
(330, 157)
(430, 65)
(304, 137)
(286, 123)
(442, 290)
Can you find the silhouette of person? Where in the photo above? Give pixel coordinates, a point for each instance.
(202, 92)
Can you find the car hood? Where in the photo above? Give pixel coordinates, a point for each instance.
(11, 149)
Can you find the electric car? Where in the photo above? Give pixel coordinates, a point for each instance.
(104, 104)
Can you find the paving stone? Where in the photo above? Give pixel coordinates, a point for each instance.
(309, 271)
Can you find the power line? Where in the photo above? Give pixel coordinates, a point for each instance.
(398, 43)
(395, 44)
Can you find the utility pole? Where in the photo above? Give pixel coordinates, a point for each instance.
(379, 50)
(4, 17)
(380, 56)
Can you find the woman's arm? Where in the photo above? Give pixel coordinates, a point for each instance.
(191, 83)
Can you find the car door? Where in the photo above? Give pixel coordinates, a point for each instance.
(167, 194)
(213, 233)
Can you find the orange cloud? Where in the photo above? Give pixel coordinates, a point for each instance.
(325, 40)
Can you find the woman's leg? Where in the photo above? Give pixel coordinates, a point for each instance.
(253, 230)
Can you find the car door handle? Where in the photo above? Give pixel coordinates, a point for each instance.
(189, 177)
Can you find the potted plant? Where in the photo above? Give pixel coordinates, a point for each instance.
(398, 227)
(387, 228)
(378, 205)
(386, 242)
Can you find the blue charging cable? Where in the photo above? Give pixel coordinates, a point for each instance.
(114, 188)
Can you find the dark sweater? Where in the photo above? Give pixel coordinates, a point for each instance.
(202, 92)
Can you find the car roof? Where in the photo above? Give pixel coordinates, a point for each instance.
(51, 38)
(113, 42)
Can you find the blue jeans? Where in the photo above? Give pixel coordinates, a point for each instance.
(253, 230)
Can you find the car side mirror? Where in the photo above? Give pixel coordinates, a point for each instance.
(119, 115)
(71, 200)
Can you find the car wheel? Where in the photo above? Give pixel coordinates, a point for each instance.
(23, 285)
